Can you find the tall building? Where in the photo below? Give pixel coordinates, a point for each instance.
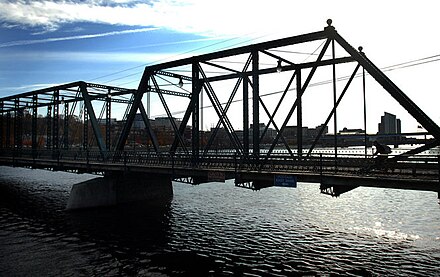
(389, 124)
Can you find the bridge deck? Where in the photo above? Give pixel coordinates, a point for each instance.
(350, 171)
(70, 118)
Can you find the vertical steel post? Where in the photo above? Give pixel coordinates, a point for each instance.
(66, 126)
(55, 131)
(8, 129)
(18, 125)
(320, 166)
(34, 121)
(148, 127)
(108, 107)
(86, 128)
(334, 104)
(255, 105)
(299, 113)
(92, 117)
(2, 133)
(195, 114)
(329, 117)
(365, 112)
(202, 132)
(148, 99)
(142, 88)
(16, 107)
(438, 166)
(49, 127)
(246, 116)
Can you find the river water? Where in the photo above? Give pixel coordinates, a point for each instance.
(216, 229)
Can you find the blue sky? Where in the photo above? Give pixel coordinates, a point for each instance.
(43, 42)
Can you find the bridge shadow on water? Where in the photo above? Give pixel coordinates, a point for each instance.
(138, 235)
(126, 239)
(207, 230)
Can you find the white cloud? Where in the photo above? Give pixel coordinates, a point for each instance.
(235, 17)
(36, 41)
(398, 28)
(9, 90)
(90, 57)
(227, 17)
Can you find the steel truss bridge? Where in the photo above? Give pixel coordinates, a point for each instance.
(60, 127)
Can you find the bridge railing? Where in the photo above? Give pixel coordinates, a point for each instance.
(322, 163)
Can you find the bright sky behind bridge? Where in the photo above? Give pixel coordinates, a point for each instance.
(44, 43)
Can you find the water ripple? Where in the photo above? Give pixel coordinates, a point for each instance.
(217, 230)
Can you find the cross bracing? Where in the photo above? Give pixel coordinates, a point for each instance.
(196, 79)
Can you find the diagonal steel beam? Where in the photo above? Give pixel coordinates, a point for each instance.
(304, 87)
(170, 116)
(272, 116)
(277, 57)
(388, 85)
(150, 131)
(242, 50)
(221, 67)
(284, 68)
(92, 117)
(191, 110)
(333, 110)
(275, 126)
(183, 124)
(228, 104)
(415, 151)
(142, 88)
(221, 114)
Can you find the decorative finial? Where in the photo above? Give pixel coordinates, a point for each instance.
(360, 48)
(329, 22)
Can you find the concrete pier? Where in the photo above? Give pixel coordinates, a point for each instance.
(118, 188)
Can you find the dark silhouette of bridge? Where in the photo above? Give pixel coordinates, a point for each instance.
(72, 136)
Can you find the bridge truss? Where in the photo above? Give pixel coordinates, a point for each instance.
(70, 110)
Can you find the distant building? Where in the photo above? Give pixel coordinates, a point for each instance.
(389, 124)
(345, 131)
(389, 129)
(268, 137)
(159, 122)
(103, 121)
(351, 137)
(313, 132)
(165, 122)
(308, 134)
(291, 132)
(138, 122)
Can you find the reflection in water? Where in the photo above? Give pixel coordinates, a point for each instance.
(216, 229)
